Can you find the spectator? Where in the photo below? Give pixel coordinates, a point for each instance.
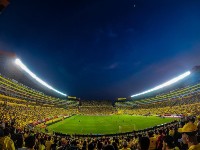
(30, 142)
(41, 145)
(99, 145)
(160, 140)
(125, 146)
(177, 136)
(84, 147)
(48, 143)
(115, 146)
(144, 143)
(20, 142)
(189, 137)
(153, 141)
(168, 143)
(6, 142)
(108, 147)
(171, 131)
(1, 138)
(91, 146)
(54, 145)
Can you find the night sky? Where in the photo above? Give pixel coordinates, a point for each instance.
(103, 49)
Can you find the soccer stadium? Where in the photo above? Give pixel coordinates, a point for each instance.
(26, 108)
(34, 115)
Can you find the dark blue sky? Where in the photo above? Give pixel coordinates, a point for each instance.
(103, 49)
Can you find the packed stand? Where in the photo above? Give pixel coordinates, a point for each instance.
(96, 108)
(181, 135)
(23, 115)
(188, 105)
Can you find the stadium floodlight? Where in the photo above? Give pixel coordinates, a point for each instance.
(174, 80)
(22, 66)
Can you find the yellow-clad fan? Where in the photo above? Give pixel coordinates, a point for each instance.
(6, 143)
(189, 137)
(153, 141)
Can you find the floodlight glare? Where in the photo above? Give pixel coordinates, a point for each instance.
(174, 80)
(22, 66)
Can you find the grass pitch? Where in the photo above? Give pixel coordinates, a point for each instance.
(81, 124)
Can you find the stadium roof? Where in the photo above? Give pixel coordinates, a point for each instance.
(9, 69)
(187, 86)
(34, 76)
(168, 83)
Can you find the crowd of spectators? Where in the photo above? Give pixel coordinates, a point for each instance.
(11, 88)
(188, 105)
(188, 109)
(23, 115)
(14, 133)
(91, 103)
(173, 136)
(97, 108)
(18, 111)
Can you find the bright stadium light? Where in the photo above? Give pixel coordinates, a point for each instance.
(174, 80)
(21, 65)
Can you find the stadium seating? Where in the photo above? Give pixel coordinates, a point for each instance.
(24, 112)
(16, 90)
(183, 101)
(97, 108)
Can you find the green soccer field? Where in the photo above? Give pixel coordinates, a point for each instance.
(80, 124)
